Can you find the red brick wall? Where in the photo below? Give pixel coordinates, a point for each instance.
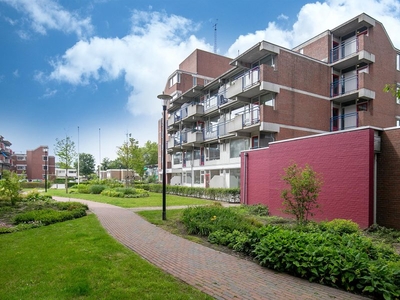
(345, 160)
(388, 198)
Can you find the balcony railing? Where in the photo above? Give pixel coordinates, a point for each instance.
(342, 122)
(241, 121)
(344, 86)
(343, 50)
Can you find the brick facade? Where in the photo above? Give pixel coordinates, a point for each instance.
(388, 192)
(345, 160)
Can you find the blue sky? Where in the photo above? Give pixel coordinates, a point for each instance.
(100, 64)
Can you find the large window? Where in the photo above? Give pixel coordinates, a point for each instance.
(236, 146)
(196, 177)
(213, 152)
(177, 158)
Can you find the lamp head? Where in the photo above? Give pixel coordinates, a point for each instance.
(164, 97)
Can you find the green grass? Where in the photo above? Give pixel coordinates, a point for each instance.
(78, 260)
(154, 200)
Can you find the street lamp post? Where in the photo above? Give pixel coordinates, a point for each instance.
(45, 168)
(163, 97)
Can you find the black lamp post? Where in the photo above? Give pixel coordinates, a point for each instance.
(165, 99)
(45, 168)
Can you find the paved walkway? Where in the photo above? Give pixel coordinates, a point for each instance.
(218, 274)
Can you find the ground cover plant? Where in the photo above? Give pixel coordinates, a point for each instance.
(35, 210)
(335, 253)
(77, 259)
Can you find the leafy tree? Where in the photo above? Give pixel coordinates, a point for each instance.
(112, 164)
(86, 164)
(65, 150)
(131, 156)
(301, 198)
(9, 186)
(392, 88)
(150, 153)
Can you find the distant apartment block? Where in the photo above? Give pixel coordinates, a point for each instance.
(222, 106)
(5, 155)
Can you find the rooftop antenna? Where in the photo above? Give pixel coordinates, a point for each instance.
(215, 36)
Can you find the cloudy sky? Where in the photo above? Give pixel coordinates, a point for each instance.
(98, 65)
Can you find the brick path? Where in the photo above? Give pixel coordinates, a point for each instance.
(218, 274)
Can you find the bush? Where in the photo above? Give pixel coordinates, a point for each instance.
(48, 216)
(96, 188)
(206, 219)
(34, 196)
(349, 261)
(340, 226)
(112, 193)
(258, 210)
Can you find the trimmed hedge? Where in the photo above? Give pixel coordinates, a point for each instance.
(226, 195)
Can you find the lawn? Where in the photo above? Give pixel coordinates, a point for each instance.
(154, 200)
(78, 260)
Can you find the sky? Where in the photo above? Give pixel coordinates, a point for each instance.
(92, 69)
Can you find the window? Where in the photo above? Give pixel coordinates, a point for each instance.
(268, 60)
(397, 93)
(175, 79)
(23, 158)
(398, 121)
(196, 177)
(362, 106)
(177, 158)
(196, 154)
(21, 168)
(44, 168)
(398, 62)
(268, 100)
(194, 81)
(213, 152)
(44, 158)
(188, 177)
(236, 146)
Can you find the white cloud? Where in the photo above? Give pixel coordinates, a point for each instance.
(16, 73)
(49, 93)
(46, 15)
(146, 57)
(315, 18)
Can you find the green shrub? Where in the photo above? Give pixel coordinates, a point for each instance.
(348, 261)
(34, 195)
(258, 210)
(206, 219)
(97, 188)
(48, 216)
(112, 193)
(340, 226)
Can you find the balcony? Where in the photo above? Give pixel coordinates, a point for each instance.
(192, 112)
(242, 123)
(343, 122)
(348, 88)
(245, 85)
(348, 54)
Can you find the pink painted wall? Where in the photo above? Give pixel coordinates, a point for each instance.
(344, 159)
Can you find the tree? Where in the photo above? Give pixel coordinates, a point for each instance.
(392, 88)
(86, 164)
(65, 150)
(131, 156)
(9, 186)
(301, 199)
(112, 164)
(150, 153)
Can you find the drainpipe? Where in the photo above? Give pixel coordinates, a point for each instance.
(375, 186)
(246, 157)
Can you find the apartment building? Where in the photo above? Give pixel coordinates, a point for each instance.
(331, 82)
(5, 155)
(33, 164)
